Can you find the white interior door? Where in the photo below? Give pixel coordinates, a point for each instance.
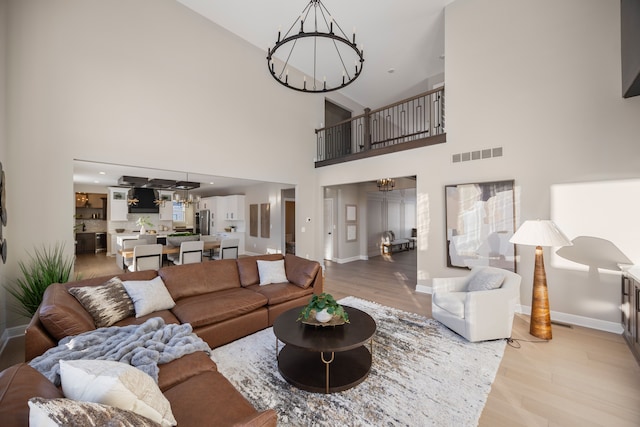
(328, 229)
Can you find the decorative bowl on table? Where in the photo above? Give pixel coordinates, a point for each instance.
(119, 230)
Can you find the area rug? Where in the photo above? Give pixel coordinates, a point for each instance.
(422, 374)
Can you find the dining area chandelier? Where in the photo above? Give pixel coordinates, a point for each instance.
(316, 45)
(386, 184)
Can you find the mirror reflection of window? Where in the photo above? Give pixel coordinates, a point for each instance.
(178, 212)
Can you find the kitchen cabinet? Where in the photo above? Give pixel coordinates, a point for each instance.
(234, 208)
(631, 310)
(91, 206)
(166, 208)
(208, 203)
(118, 207)
(85, 243)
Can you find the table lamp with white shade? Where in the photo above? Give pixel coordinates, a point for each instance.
(540, 233)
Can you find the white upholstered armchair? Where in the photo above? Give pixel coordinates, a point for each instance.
(479, 306)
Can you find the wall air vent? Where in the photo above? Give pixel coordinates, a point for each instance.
(486, 153)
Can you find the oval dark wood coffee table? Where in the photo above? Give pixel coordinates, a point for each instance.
(324, 359)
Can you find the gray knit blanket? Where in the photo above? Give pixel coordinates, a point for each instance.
(144, 346)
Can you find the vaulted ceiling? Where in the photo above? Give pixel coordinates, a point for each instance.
(403, 40)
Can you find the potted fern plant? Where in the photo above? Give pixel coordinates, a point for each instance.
(46, 266)
(324, 308)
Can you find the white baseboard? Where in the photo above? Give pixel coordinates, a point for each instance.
(572, 319)
(424, 289)
(351, 259)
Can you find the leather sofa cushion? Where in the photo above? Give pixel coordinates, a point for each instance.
(214, 307)
(18, 384)
(248, 268)
(183, 368)
(187, 280)
(62, 315)
(300, 271)
(166, 315)
(211, 397)
(281, 292)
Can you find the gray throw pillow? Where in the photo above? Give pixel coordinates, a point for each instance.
(485, 281)
(108, 303)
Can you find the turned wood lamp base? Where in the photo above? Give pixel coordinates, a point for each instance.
(540, 326)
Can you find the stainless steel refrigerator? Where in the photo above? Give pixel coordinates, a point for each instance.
(204, 217)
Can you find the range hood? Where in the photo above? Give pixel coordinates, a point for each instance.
(146, 198)
(155, 183)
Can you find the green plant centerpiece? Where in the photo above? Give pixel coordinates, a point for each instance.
(144, 221)
(324, 302)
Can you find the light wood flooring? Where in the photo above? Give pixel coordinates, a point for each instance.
(582, 377)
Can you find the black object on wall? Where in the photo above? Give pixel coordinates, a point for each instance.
(630, 47)
(146, 201)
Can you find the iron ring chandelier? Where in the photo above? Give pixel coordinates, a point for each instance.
(338, 48)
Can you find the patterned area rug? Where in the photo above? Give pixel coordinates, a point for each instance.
(422, 374)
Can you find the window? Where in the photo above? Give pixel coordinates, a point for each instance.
(178, 212)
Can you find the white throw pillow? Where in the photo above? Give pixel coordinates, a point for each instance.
(66, 412)
(485, 281)
(271, 272)
(149, 295)
(115, 384)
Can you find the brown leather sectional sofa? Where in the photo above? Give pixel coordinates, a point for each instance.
(222, 300)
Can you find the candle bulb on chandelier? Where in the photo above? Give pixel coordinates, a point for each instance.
(354, 35)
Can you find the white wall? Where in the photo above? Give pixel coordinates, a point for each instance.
(266, 193)
(147, 83)
(542, 80)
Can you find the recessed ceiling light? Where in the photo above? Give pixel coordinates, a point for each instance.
(102, 173)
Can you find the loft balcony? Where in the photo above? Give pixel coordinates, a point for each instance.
(411, 123)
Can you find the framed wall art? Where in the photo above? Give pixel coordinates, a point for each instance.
(351, 222)
(265, 220)
(253, 220)
(480, 220)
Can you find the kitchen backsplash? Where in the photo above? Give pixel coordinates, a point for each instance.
(131, 225)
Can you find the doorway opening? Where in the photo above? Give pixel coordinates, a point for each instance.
(337, 130)
(290, 226)
(358, 216)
